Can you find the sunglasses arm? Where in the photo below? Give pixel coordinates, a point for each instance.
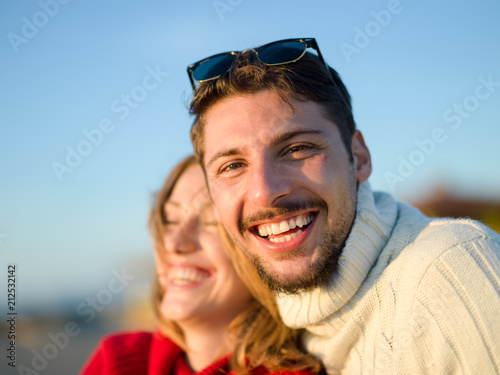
(314, 45)
(190, 74)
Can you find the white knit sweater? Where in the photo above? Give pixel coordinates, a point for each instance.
(412, 295)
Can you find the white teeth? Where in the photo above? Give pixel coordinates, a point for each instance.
(286, 238)
(185, 275)
(284, 226)
(276, 239)
(275, 227)
(300, 222)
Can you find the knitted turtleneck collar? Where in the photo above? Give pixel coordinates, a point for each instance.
(376, 214)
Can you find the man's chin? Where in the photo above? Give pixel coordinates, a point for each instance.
(289, 283)
(294, 274)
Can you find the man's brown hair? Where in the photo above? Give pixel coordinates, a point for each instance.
(304, 80)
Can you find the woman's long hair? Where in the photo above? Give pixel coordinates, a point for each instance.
(257, 336)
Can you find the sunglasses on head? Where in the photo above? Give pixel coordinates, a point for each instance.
(284, 51)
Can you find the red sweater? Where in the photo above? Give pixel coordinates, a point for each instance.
(145, 353)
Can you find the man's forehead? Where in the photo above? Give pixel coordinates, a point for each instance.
(237, 124)
(231, 121)
(242, 136)
(264, 106)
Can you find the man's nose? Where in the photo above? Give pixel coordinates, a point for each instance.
(268, 184)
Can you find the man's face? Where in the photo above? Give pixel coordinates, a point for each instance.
(283, 185)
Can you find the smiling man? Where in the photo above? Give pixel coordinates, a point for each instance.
(379, 287)
(291, 218)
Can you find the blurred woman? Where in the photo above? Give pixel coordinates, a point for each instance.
(215, 315)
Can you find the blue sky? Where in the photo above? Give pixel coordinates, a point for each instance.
(424, 78)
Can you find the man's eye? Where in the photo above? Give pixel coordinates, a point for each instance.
(297, 148)
(231, 167)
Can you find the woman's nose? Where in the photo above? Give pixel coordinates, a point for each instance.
(181, 239)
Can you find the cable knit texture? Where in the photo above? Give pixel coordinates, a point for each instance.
(141, 353)
(412, 295)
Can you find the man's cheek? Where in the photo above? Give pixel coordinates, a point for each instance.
(222, 208)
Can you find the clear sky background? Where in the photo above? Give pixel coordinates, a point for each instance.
(416, 70)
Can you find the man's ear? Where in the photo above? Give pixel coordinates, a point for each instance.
(362, 158)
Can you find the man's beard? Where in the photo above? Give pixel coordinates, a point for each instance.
(330, 246)
(318, 273)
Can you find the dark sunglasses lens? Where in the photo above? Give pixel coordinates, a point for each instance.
(213, 67)
(281, 52)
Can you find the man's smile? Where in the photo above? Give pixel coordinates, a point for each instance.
(286, 229)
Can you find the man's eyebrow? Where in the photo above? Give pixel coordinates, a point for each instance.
(280, 138)
(287, 136)
(221, 154)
